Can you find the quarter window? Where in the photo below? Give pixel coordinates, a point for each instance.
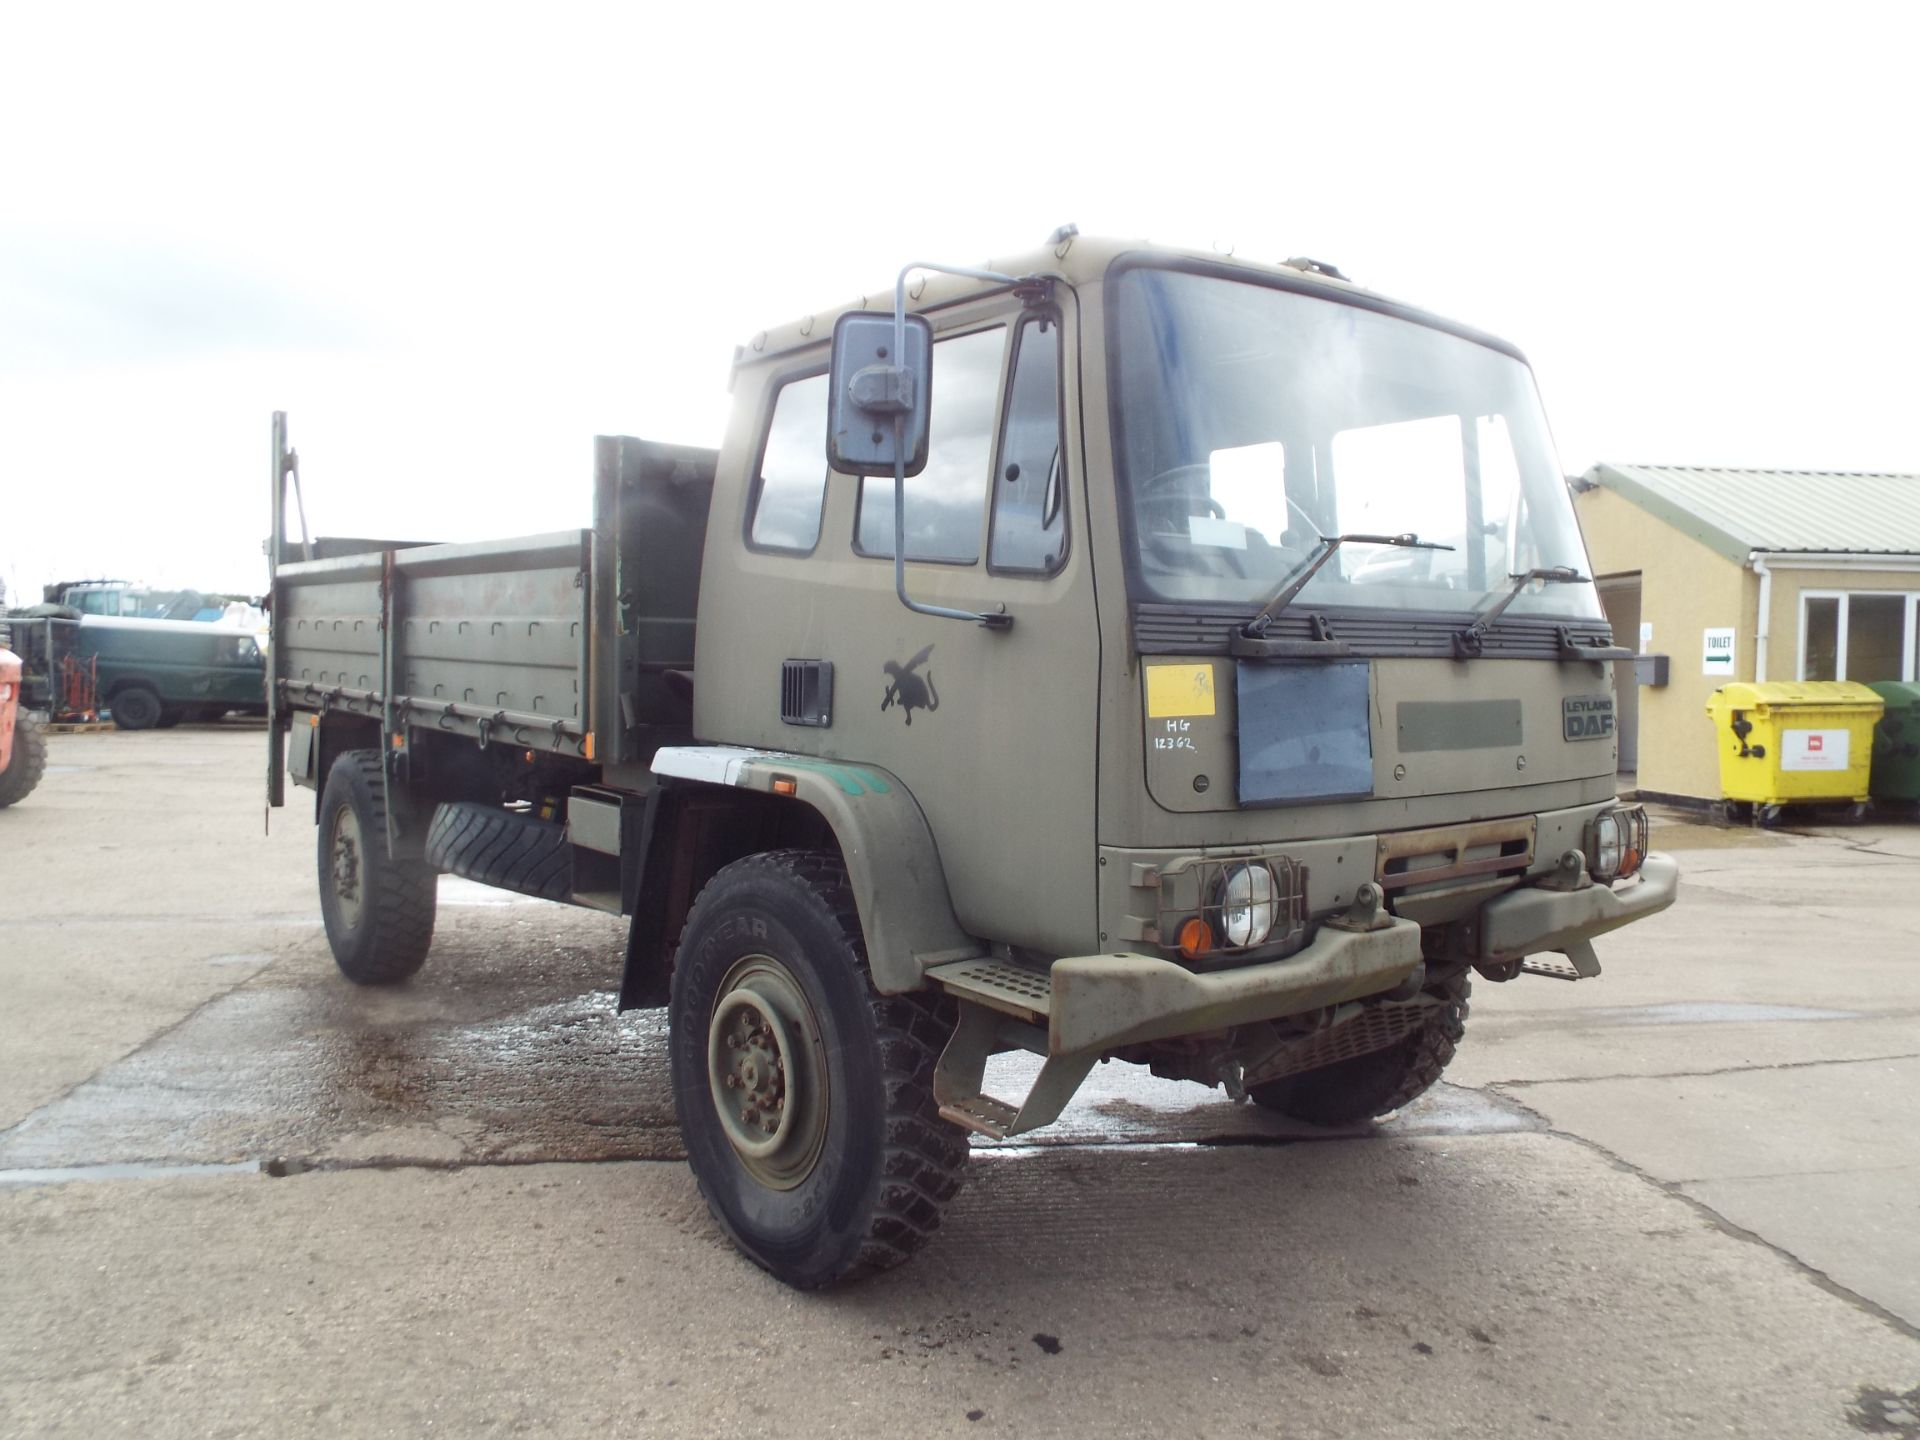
(1029, 530)
(792, 485)
(947, 500)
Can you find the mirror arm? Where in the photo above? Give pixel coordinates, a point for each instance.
(1001, 621)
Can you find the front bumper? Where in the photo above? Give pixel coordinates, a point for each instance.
(1525, 922)
(1090, 1004)
(1103, 1001)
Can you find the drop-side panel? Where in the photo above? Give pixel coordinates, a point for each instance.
(489, 636)
(504, 630)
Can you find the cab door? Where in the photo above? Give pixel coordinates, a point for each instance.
(991, 729)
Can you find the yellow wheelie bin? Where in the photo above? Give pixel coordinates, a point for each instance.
(1794, 742)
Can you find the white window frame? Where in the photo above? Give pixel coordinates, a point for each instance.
(1909, 638)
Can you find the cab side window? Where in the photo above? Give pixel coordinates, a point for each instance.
(947, 501)
(1029, 531)
(791, 487)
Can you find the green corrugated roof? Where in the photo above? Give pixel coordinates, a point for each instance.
(1737, 511)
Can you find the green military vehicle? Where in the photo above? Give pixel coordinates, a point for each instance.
(156, 673)
(1118, 653)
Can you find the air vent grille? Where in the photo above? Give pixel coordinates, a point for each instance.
(806, 692)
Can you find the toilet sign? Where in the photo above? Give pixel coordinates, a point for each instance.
(1716, 654)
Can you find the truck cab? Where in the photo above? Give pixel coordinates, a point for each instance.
(1217, 683)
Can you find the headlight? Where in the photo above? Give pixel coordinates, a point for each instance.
(1606, 847)
(1247, 905)
(1619, 843)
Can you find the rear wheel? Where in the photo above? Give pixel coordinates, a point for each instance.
(27, 762)
(1380, 1081)
(135, 707)
(806, 1099)
(378, 910)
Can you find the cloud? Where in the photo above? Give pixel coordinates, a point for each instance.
(82, 298)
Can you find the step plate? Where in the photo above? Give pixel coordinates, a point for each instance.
(1553, 970)
(983, 1115)
(1010, 989)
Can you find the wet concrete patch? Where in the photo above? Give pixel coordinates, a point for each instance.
(505, 1049)
(1885, 1412)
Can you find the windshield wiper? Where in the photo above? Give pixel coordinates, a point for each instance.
(1297, 581)
(1468, 642)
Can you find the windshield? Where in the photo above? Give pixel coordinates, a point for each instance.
(1251, 421)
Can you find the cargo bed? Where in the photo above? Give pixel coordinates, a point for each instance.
(563, 643)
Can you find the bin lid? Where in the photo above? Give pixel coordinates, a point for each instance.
(1845, 695)
(1898, 694)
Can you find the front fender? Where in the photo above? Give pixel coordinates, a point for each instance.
(892, 862)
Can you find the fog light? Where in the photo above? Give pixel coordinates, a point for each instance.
(1247, 905)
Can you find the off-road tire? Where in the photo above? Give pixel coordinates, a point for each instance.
(135, 707)
(505, 848)
(886, 1164)
(380, 935)
(1379, 1082)
(170, 718)
(27, 763)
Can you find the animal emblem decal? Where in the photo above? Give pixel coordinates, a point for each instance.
(909, 691)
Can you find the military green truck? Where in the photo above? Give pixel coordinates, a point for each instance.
(1119, 652)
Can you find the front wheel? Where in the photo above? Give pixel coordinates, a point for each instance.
(805, 1099)
(135, 708)
(1380, 1081)
(378, 910)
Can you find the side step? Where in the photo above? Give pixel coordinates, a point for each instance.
(1581, 963)
(992, 994)
(1011, 989)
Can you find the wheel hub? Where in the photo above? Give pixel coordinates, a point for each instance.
(764, 1067)
(344, 865)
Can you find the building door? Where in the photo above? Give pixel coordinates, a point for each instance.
(1620, 595)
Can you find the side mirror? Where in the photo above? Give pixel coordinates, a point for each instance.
(879, 394)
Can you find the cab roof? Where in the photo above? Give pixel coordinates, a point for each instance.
(1076, 260)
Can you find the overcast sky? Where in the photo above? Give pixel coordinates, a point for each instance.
(457, 242)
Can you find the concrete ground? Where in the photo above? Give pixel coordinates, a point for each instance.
(239, 1197)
